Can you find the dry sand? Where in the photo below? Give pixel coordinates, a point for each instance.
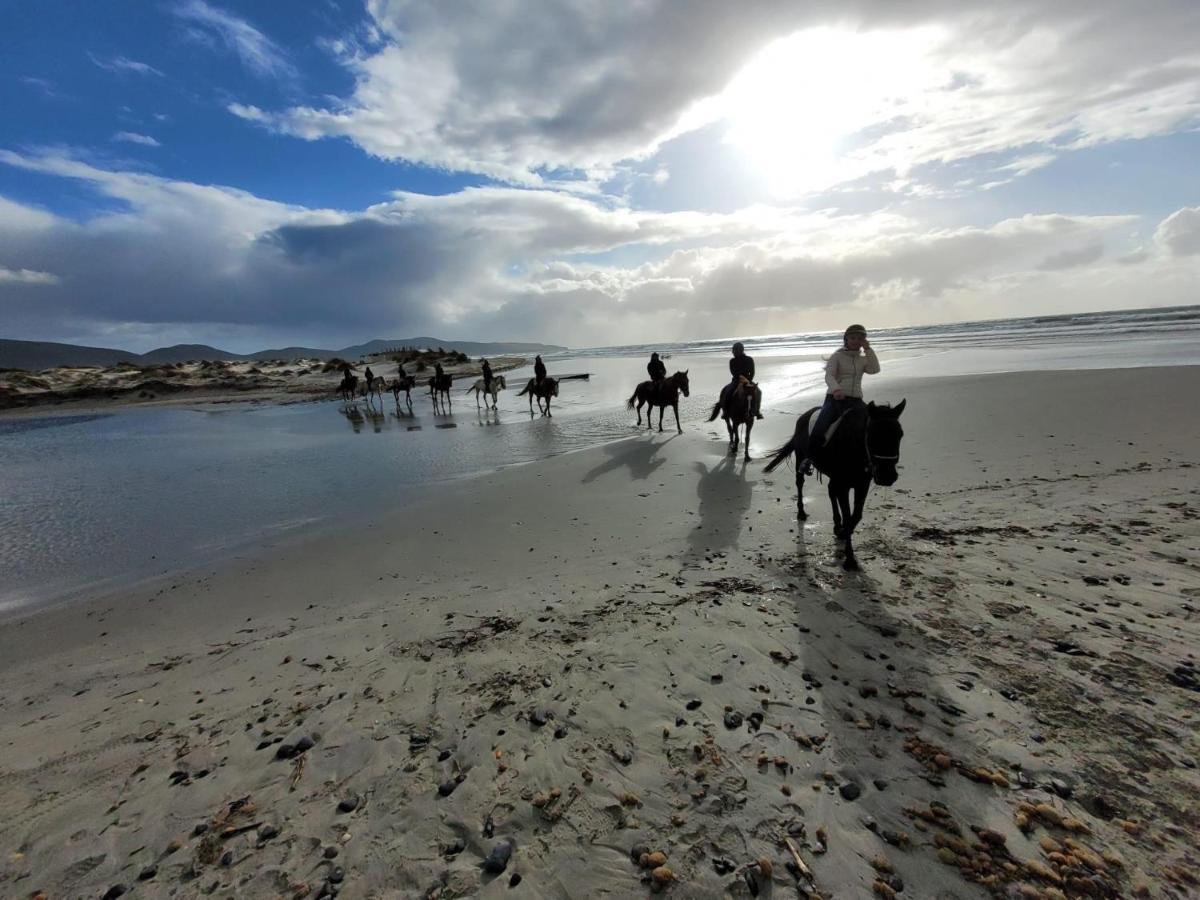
(293, 381)
(1002, 703)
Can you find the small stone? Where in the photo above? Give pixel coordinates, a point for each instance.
(446, 788)
(337, 876)
(331, 852)
(849, 791)
(662, 875)
(514, 880)
(227, 859)
(722, 865)
(285, 751)
(147, 873)
(693, 705)
(765, 866)
(305, 743)
(497, 860)
(268, 832)
(200, 829)
(538, 718)
(733, 720)
(117, 890)
(348, 805)
(637, 851)
(880, 784)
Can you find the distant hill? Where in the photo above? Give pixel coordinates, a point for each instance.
(35, 355)
(186, 352)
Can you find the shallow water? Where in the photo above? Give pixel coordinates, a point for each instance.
(98, 500)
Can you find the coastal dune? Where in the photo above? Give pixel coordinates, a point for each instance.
(636, 650)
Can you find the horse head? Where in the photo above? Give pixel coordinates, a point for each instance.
(500, 382)
(681, 381)
(884, 434)
(553, 386)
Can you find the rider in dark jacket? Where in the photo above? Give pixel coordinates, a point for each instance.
(486, 368)
(657, 368)
(742, 365)
(370, 378)
(539, 369)
(437, 371)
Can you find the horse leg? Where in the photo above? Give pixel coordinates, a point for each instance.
(733, 436)
(661, 411)
(678, 427)
(800, 513)
(749, 427)
(837, 513)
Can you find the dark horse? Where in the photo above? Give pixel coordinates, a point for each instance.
(403, 383)
(864, 448)
(547, 388)
(666, 394)
(736, 407)
(349, 387)
(439, 388)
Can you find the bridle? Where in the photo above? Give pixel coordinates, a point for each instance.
(872, 457)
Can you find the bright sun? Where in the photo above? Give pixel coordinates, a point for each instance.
(795, 107)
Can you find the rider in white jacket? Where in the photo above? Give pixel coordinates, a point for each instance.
(844, 371)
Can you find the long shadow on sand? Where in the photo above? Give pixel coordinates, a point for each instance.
(725, 496)
(639, 456)
(876, 680)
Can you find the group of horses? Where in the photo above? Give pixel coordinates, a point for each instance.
(862, 447)
(351, 389)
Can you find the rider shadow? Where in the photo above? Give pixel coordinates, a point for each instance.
(640, 457)
(488, 417)
(378, 417)
(725, 496)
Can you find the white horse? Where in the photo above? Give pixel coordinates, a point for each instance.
(372, 390)
(498, 385)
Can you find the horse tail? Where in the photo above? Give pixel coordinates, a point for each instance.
(630, 401)
(781, 454)
(524, 390)
(716, 411)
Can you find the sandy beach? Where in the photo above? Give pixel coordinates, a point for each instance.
(633, 650)
(84, 388)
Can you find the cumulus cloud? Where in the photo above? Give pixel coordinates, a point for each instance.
(175, 258)
(512, 90)
(256, 51)
(1180, 231)
(132, 137)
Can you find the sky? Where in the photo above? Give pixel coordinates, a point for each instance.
(264, 174)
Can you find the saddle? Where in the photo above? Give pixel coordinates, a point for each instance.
(831, 430)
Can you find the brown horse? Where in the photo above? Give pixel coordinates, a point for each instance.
(736, 407)
(543, 390)
(662, 395)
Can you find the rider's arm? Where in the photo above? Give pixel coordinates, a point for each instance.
(831, 367)
(872, 366)
(750, 369)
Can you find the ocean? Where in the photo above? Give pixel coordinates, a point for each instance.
(92, 502)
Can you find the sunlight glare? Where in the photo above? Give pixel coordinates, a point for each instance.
(794, 107)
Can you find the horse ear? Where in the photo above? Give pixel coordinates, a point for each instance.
(685, 371)
(900, 406)
(871, 406)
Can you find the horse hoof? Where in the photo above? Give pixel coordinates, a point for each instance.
(802, 515)
(850, 565)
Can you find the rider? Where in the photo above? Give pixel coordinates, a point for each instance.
(487, 375)
(400, 373)
(437, 372)
(370, 378)
(539, 369)
(741, 365)
(658, 371)
(843, 375)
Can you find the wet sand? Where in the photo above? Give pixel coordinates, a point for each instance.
(636, 648)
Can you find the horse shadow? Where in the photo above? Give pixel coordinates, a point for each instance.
(725, 496)
(354, 416)
(640, 457)
(871, 679)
